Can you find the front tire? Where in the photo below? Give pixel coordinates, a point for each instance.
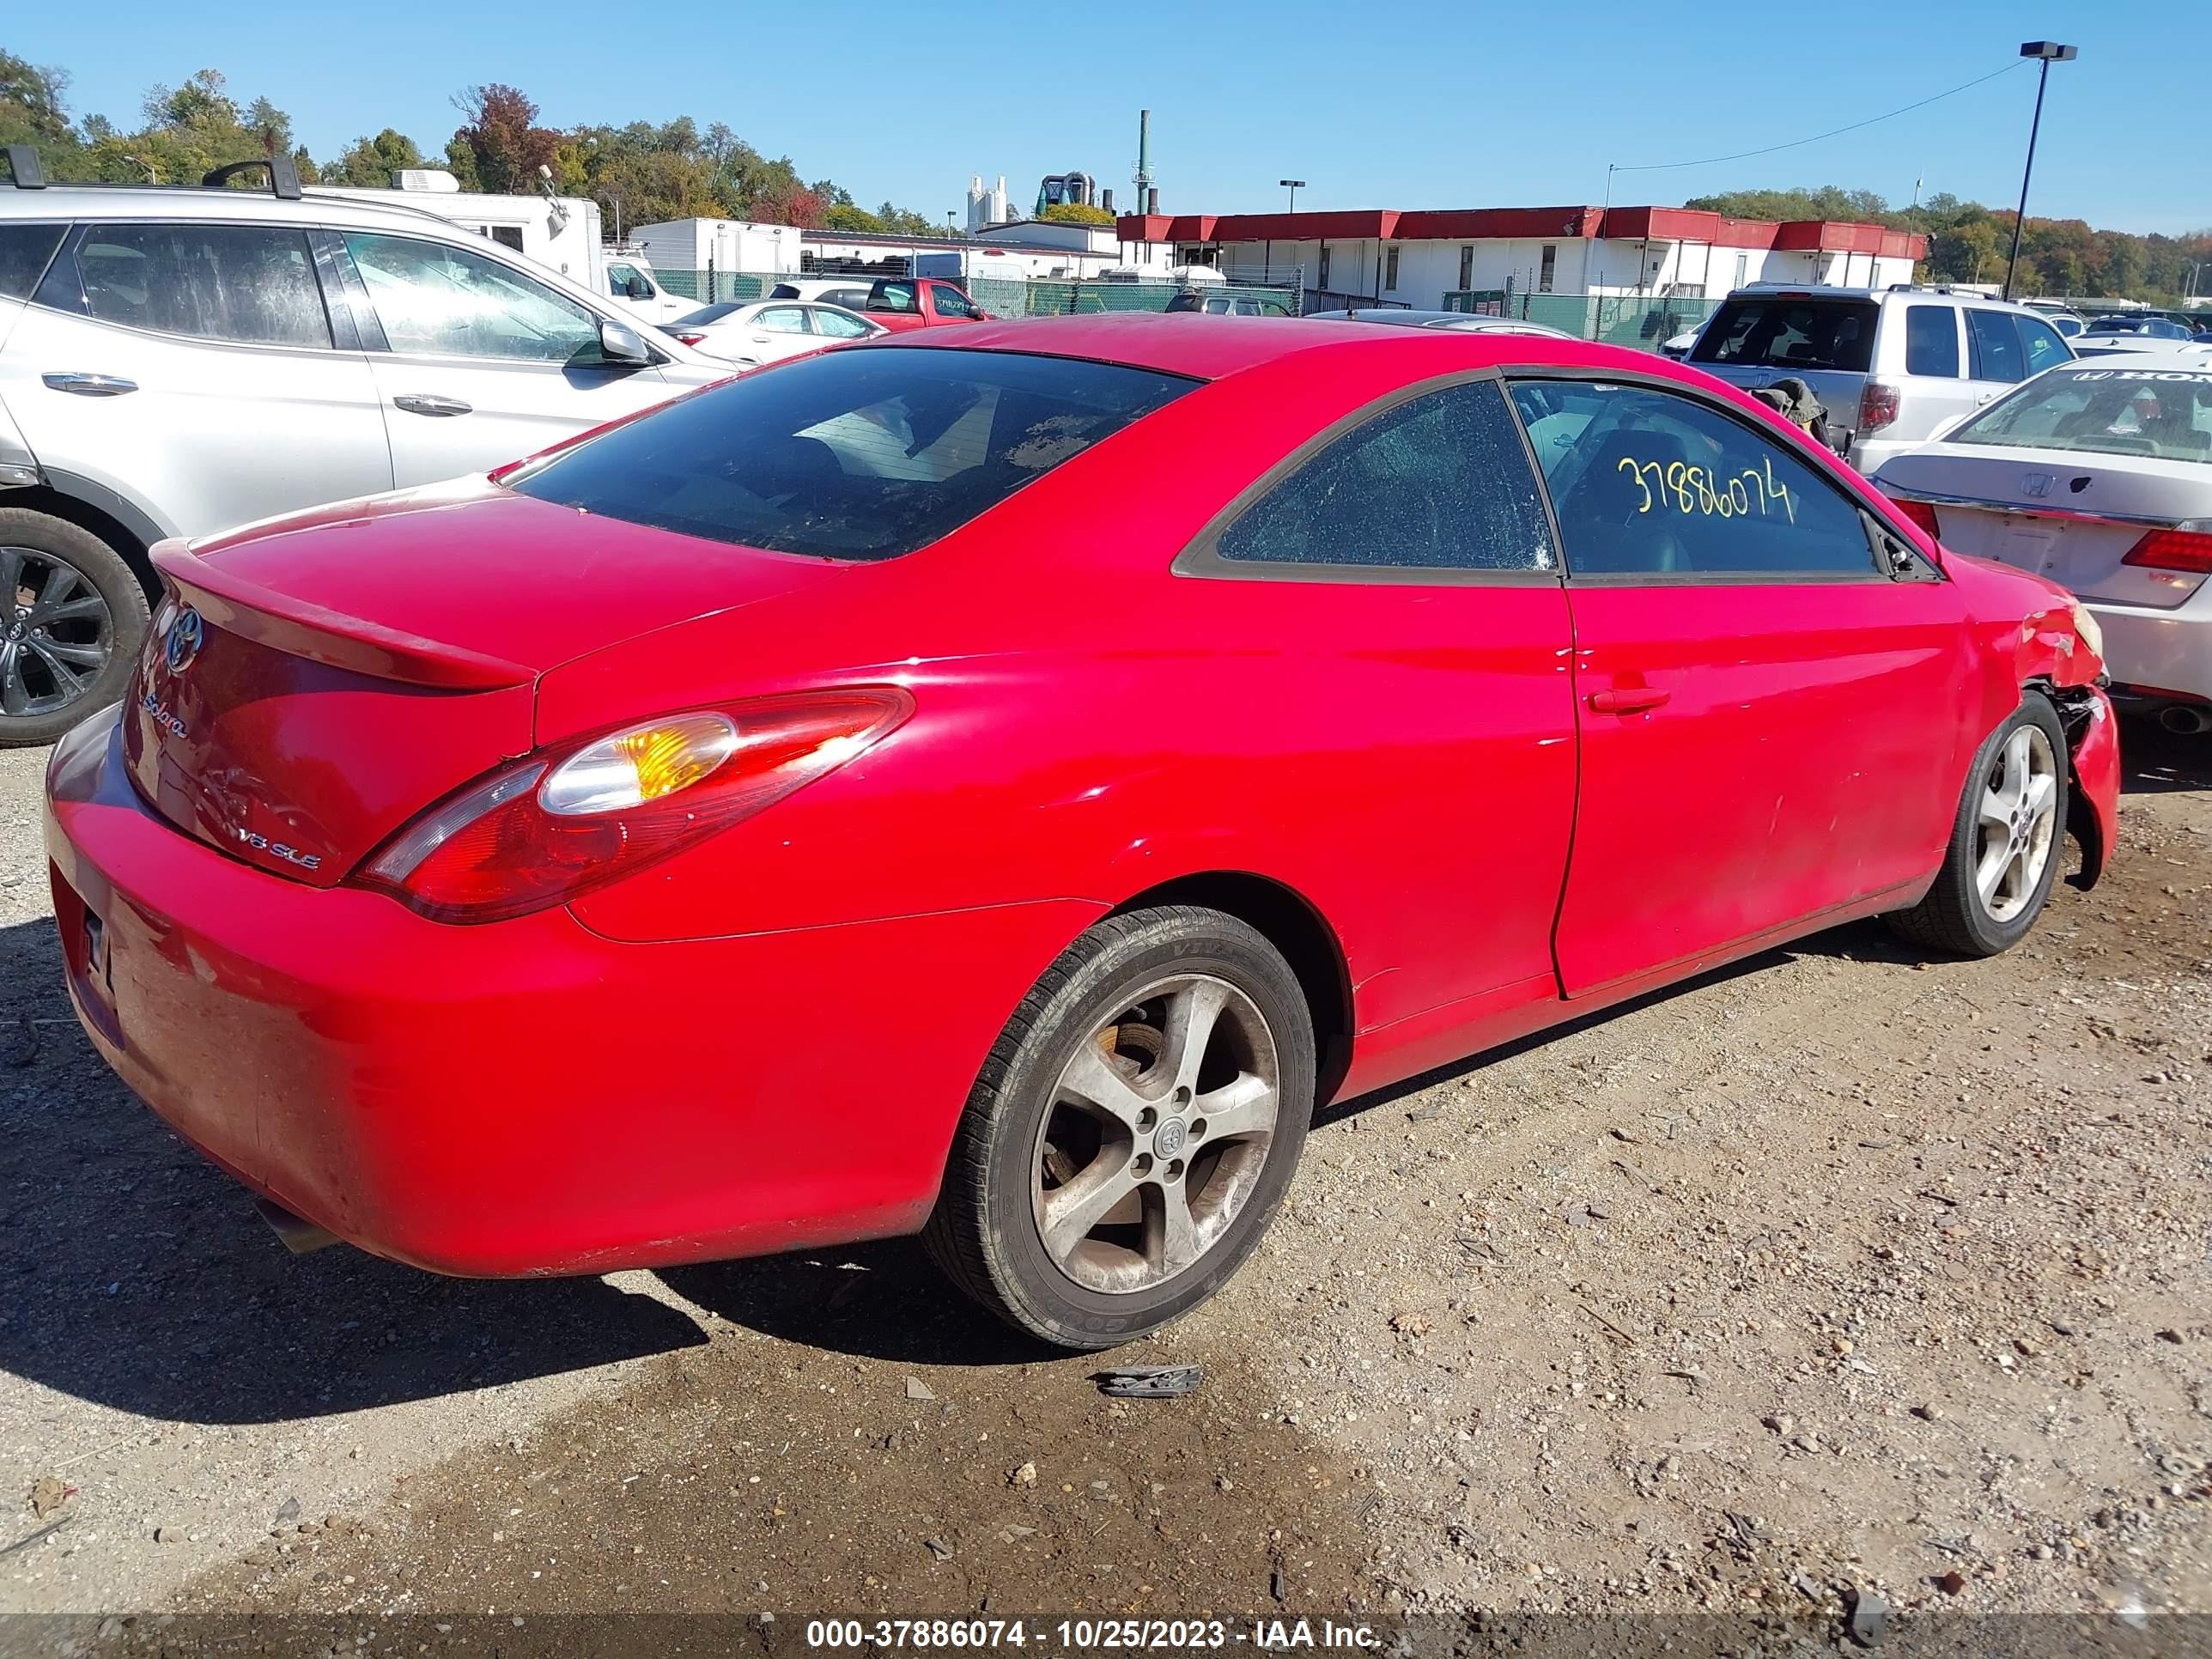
(72, 616)
(2006, 844)
(1133, 1130)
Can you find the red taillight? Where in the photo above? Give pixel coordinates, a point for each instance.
(1922, 514)
(1877, 406)
(690, 337)
(553, 825)
(2173, 550)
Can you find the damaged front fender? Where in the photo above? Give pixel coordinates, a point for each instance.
(2093, 747)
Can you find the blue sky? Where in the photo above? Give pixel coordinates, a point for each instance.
(1522, 105)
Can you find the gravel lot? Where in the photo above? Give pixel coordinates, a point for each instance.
(1834, 1271)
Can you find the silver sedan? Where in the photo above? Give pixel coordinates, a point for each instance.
(2097, 474)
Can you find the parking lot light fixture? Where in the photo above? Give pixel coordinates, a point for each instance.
(1294, 185)
(2049, 52)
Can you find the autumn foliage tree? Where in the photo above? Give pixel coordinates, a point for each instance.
(499, 145)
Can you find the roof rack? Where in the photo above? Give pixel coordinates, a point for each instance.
(283, 177)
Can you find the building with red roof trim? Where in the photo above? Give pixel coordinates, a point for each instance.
(1415, 256)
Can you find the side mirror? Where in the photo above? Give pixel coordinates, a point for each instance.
(623, 345)
(638, 288)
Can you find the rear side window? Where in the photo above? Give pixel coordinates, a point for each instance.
(249, 284)
(894, 296)
(1647, 483)
(852, 454)
(1441, 482)
(1931, 341)
(1777, 331)
(1994, 345)
(24, 250)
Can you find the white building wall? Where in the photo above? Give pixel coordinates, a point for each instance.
(1430, 269)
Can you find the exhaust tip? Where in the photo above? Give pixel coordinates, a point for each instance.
(298, 1234)
(2186, 719)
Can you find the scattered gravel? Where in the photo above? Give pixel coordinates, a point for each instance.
(1834, 1282)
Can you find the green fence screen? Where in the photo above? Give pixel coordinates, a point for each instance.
(1000, 296)
(1642, 321)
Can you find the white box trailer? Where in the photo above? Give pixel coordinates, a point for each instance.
(721, 246)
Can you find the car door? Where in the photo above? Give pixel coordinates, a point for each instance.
(950, 305)
(1770, 690)
(475, 362)
(2004, 347)
(192, 369)
(832, 325)
(1408, 547)
(1935, 389)
(775, 332)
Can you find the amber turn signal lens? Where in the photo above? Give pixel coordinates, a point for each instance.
(643, 763)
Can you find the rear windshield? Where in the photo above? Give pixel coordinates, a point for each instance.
(2163, 413)
(712, 313)
(1777, 331)
(864, 454)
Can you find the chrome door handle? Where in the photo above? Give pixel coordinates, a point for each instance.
(423, 403)
(90, 386)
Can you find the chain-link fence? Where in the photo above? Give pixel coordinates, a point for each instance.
(1001, 297)
(1642, 321)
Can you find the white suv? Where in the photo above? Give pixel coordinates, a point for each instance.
(175, 362)
(1892, 365)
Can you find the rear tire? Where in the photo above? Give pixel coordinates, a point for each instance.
(72, 618)
(2007, 842)
(1131, 1132)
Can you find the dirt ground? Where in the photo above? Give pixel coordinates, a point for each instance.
(1835, 1279)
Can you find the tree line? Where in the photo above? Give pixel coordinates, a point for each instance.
(1970, 243)
(639, 174)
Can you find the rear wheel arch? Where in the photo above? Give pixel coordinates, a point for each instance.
(130, 545)
(1291, 923)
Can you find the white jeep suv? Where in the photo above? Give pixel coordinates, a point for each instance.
(175, 362)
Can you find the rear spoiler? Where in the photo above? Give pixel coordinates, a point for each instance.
(291, 625)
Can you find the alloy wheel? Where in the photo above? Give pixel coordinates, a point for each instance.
(58, 633)
(1155, 1134)
(2018, 823)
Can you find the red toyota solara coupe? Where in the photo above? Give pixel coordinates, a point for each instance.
(997, 783)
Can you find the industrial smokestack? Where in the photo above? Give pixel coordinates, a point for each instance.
(1148, 199)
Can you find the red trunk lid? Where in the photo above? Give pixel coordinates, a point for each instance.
(335, 673)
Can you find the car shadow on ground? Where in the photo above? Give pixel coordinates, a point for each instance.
(134, 1274)
(2155, 761)
(882, 1300)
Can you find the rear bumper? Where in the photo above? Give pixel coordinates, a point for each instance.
(528, 1096)
(2160, 651)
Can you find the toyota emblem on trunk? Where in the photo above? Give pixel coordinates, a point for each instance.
(182, 642)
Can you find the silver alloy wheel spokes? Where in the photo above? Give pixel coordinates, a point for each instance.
(2018, 823)
(55, 634)
(1155, 1135)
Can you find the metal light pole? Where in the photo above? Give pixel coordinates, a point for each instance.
(1294, 185)
(152, 177)
(2050, 51)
